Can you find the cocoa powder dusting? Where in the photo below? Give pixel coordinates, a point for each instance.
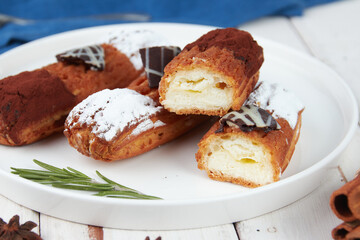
(241, 43)
(29, 97)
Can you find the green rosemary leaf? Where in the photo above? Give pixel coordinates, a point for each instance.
(48, 167)
(70, 178)
(121, 187)
(44, 181)
(39, 172)
(32, 176)
(78, 173)
(76, 187)
(130, 194)
(72, 174)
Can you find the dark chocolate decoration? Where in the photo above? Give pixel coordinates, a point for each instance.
(155, 59)
(93, 57)
(248, 118)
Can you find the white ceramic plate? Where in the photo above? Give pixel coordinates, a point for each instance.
(191, 199)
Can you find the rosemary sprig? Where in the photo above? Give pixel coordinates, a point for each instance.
(69, 178)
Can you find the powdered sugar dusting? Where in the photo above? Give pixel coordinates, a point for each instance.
(130, 41)
(109, 111)
(146, 125)
(274, 98)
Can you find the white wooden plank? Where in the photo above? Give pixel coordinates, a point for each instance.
(54, 228)
(222, 232)
(278, 29)
(308, 218)
(9, 208)
(332, 34)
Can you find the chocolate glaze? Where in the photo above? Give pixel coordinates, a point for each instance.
(155, 59)
(241, 43)
(249, 118)
(92, 57)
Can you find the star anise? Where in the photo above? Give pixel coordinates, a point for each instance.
(14, 231)
(148, 238)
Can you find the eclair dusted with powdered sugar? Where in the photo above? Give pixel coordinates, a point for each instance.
(121, 123)
(212, 75)
(253, 146)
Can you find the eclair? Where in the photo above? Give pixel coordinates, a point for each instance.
(122, 123)
(212, 75)
(33, 105)
(253, 146)
(89, 69)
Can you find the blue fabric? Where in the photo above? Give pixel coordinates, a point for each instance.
(54, 16)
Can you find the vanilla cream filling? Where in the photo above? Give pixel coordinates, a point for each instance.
(240, 158)
(198, 88)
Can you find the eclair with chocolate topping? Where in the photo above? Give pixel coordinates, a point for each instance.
(212, 75)
(253, 146)
(89, 69)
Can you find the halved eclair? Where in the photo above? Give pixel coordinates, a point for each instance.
(212, 75)
(253, 146)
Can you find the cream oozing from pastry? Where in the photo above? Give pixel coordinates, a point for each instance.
(109, 111)
(240, 157)
(129, 41)
(198, 88)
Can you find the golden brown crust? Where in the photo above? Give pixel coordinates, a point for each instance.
(280, 143)
(35, 131)
(119, 72)
(125, 144)
(217, 60)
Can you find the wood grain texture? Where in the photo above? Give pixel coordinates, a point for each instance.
(308, 218)
(9, 208)
(278, 29)
(222, 232)
(54, 228)
(331, 33)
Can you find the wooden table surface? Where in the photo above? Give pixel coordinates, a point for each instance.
(329, 33)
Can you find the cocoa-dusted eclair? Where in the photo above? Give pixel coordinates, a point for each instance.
(215, 73)
(253, 146)
(33, 105)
